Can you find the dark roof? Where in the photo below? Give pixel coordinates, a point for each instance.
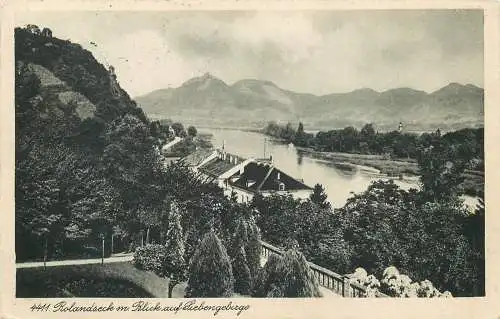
(195, 158)
(218, 166)
(253, 172)
(264, 177)
(272, 182)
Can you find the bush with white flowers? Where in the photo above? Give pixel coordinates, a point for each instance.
(395, 284)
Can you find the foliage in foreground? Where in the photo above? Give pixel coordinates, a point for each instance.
(287, 276)
(382, 226)
(395, 284)
(210, 272)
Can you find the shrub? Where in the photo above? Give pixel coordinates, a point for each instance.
(151, 257)
(210, 272)
(288, 276)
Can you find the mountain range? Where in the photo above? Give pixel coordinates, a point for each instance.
(209, 101)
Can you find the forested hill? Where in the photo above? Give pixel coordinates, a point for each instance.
(86, 155)
(76, 69)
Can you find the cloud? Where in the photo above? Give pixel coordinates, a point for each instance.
(308, 51)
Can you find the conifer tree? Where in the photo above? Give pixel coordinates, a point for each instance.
(296, 278)
(253, 250)
(319, 196)
(175, 246)
(242, 276)
(247, 237)
(210, 272)
(265, 278)
(287, 276)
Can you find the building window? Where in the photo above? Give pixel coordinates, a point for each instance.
(281, 186)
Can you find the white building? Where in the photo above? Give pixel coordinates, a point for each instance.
(246, 177)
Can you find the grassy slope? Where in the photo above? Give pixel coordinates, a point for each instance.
(121, 280)
(52, 282)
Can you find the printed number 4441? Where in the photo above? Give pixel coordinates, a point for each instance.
(40, 307)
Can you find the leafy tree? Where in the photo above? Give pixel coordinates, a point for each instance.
(152, 258)
(276, 214)
(367, 130)
(179, 129)
(474, 229)
(441, 171)
(389, 226)
(167, 260)
(192, 131)
(300, 136)
(33, 29)
(210, 272)
(319, 197)
(76, 178)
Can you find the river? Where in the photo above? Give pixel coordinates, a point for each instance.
(339, 183)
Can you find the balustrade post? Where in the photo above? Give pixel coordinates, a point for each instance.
(346, 287)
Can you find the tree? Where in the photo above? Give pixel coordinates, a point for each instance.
(192, 131)
(441, 171)
(264, 283)
(34, 29)
(288, 133)
(242, 276)
(46, 32)
(253, 251)
(289, 276)
(319, 197)
(475, 231)
(245, 253)
(368, 130)
(175, 264)
(179, 129)
(389, 226)
(210, 271)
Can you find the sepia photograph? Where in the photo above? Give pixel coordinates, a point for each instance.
(249, 153)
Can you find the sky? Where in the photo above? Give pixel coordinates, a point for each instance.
(317, 52)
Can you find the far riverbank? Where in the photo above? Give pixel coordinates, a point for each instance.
(404, 169)
(384, 165)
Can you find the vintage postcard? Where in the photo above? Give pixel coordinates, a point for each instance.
(250, 159)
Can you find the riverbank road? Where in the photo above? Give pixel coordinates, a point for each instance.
(53, 263)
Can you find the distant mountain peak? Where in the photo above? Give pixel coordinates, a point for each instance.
(453, 85)
(207, 76)
(457, 88)
(203, 80)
